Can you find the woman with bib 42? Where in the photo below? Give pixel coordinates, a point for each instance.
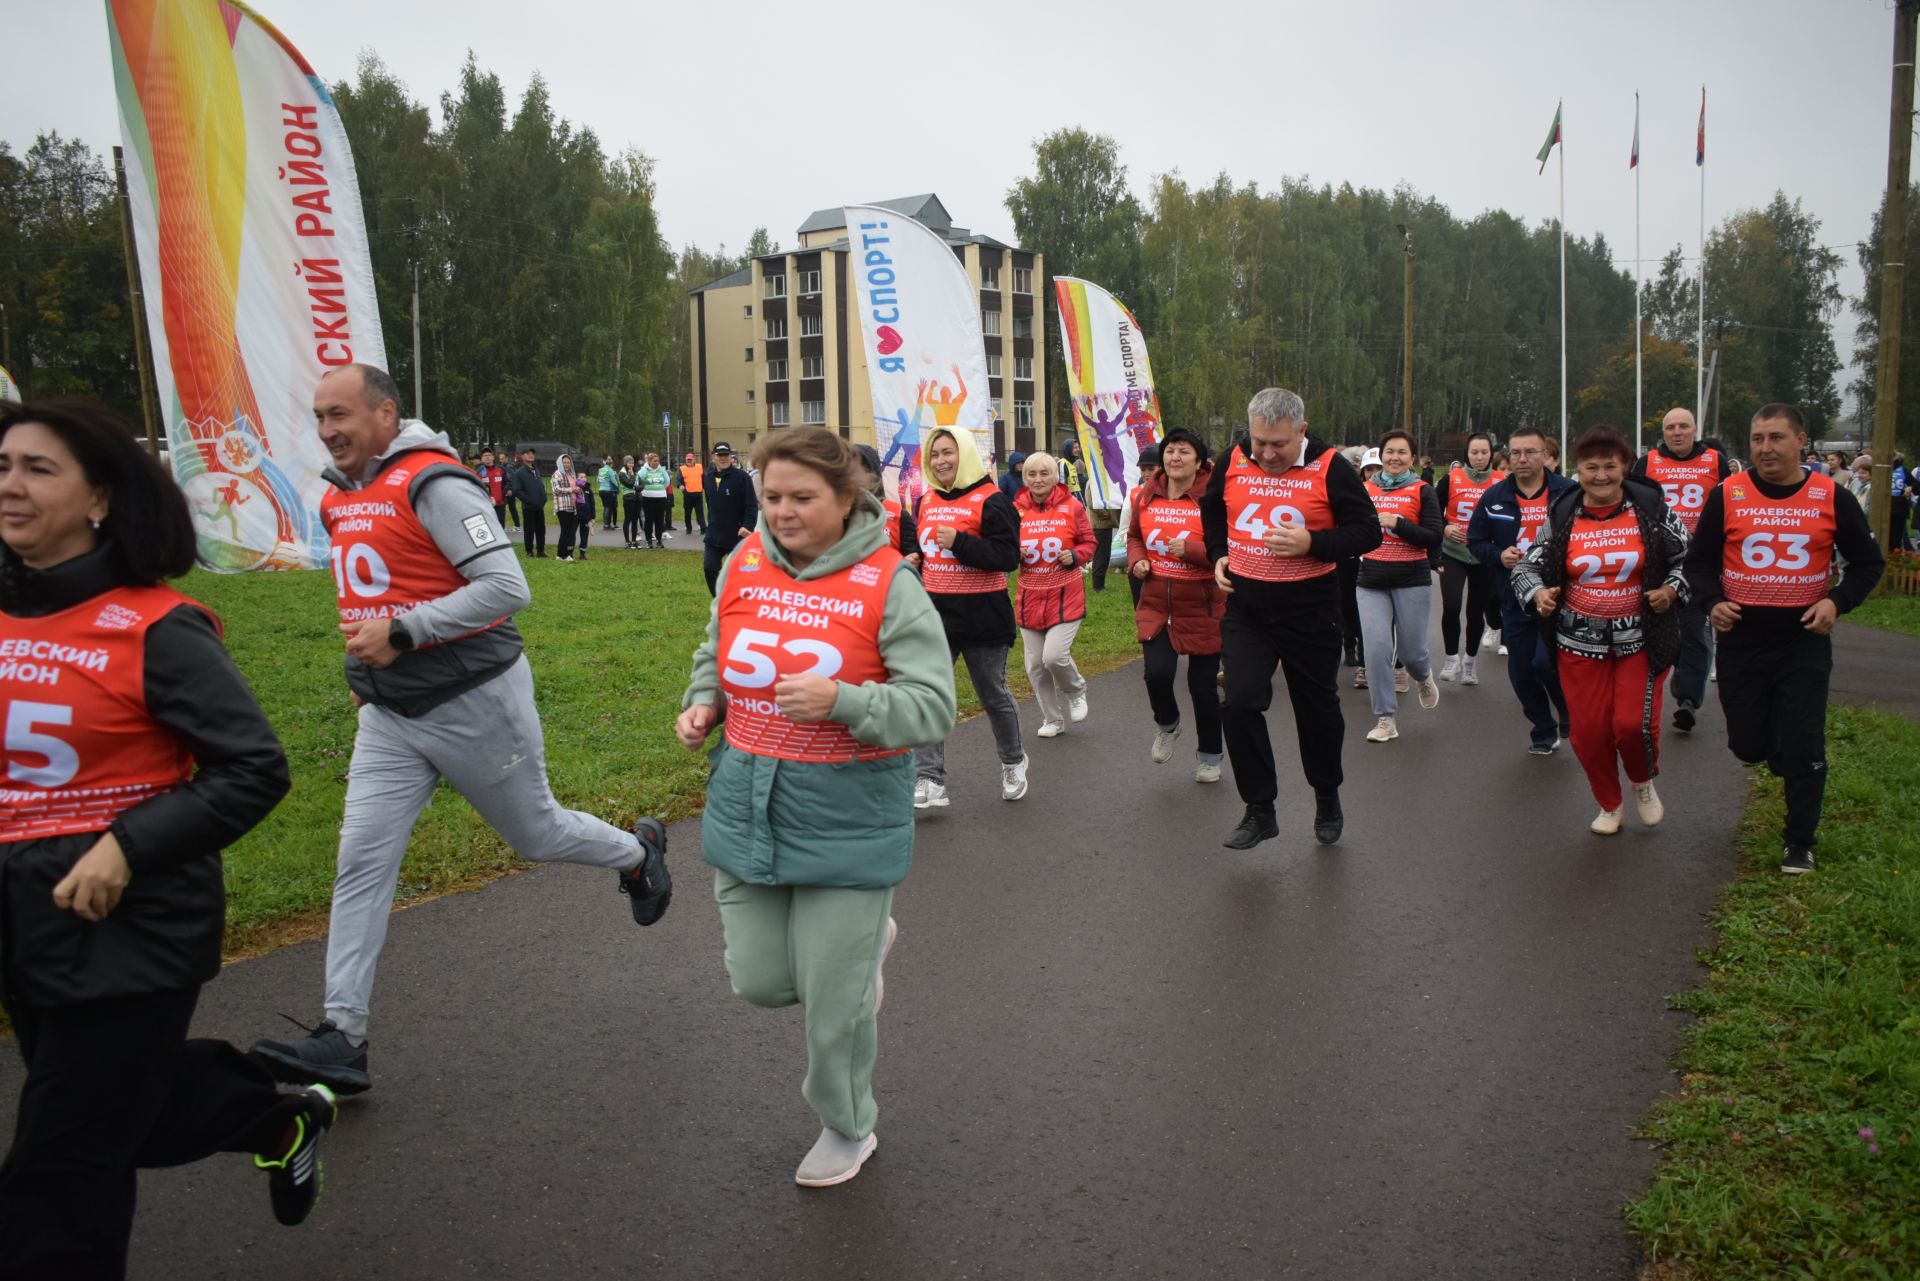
(1606, 575)
(135, 753)
(1056, 538)
(824, 662)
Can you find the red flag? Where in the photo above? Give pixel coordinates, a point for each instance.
(1700, 140)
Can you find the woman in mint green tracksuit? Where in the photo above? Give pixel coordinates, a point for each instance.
(809, 819)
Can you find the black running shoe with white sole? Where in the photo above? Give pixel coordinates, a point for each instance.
(648, 887)
(323, 1057)
(294, 1177)
(1797, 860)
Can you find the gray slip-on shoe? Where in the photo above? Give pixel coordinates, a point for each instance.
(835, 1158)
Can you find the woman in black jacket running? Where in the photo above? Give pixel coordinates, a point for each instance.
(135, 751)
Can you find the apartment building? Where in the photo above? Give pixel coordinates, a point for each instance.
(776, 343)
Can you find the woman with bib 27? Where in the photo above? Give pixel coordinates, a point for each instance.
(1606, 574)
(824, 663)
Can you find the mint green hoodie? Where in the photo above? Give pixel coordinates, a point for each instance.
(846, 824)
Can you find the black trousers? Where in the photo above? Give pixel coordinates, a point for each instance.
(500, 514)
(1349, 572)
(1689, 681)
(1483, 608)
(655, 515)
(533, 530)
(1773, 691)
(696, 511)
(609, 508)
(1102, 557)
(112, 1087)
(630, 522)
(513, 509)
(568, 523)
(1163, 664)
(1304, 643)
(715, 558)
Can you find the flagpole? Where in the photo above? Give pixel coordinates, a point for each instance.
(1639, 382)
(1566, 459)
(1700, 334)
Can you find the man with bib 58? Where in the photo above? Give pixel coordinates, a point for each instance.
(1762, 563)
(1281, 512)
(1686, 469)
(428, 587)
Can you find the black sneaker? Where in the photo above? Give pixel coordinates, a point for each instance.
(1683, 718)
(1543, 746)
(294, 1177)
(648, 886)
(1328, 820)
(323, 1057)
(1257, 826)
(1797, 860)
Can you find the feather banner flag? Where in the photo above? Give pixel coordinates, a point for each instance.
(1116, 412)
(925, 354)
(253, 253)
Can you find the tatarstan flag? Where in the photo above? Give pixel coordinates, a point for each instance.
(1553, 139)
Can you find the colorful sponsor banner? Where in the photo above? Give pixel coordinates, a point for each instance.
(253, 254)
(1115, 411)
(926, 358)
(9, 389)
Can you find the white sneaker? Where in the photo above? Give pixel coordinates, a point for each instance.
(1384, 732)
(1469, 670)
(879, 966)
(835, 1158)
(928, 794)
(1451, 672)
(1402, 680)
(1052, 729)
(1503, 649)
(1077, 707)
(1489, 638)
(1605, 823)
(1429, 692)
(1013, 780)
(1163, 744)
(1207, 772)
(1647, 801)
(1713, 671)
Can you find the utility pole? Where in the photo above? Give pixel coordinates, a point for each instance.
(413, 246)
(139, 302)
(1406, 374)
(1893, 274)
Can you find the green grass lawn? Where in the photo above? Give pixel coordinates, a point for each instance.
(1890, 613)
(610, 640)
(1791, 1150)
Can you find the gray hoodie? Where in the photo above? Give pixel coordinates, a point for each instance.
(455, 649)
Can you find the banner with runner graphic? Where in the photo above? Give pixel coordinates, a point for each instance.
(1110, 382)
(253, 254)
(926, 356)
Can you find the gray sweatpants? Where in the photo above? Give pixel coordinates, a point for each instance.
(488, 744)
(987, 669)
(1394, 622)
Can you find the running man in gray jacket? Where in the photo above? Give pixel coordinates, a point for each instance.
(428, 586)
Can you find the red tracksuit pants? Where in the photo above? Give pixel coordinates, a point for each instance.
(1615, 711)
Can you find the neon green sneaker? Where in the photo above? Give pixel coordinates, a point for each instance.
(294, 1177)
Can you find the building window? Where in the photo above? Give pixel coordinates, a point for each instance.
(777, 413)
(990, 278)
(813, 413)
(1023, 413)
(749, 355)
(1022, 327)
(776, 286)
(1023, 367)
(990, 323)
(1023, 280)
(809, 283)
(777, 370)
(749, 311)
(776, 327)
(810, 324)
(813, 366)
(749, 395)
(993, 364)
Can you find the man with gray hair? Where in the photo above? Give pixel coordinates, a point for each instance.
(1280, 515)
(428, 586)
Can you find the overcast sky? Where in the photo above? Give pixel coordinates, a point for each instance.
(760, 113)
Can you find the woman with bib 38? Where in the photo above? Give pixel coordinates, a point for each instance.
(1606, 575)
(824, 662)
(1055, 540)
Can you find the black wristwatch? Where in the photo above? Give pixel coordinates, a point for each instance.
(398, 636)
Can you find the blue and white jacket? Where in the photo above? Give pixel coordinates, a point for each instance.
(1496, 526)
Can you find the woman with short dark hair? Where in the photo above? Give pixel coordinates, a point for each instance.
(136, 752)
(1606, 573)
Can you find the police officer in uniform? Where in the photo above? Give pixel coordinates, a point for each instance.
(427, 587)
(1281, 512)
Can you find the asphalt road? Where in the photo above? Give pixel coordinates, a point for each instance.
(1111, 1048)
